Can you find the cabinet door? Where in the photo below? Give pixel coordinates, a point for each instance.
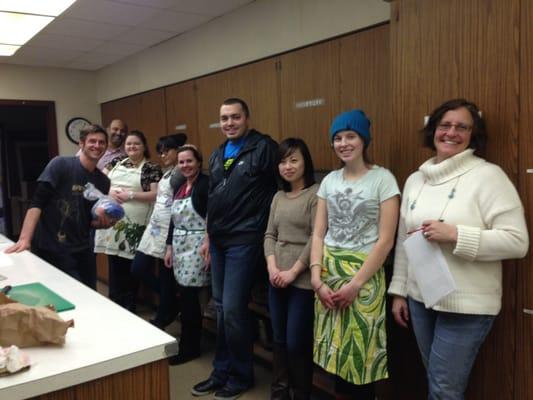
(182, 110)
(524, 309)
(153, 118)
(310, 98)
(365, 84)
(255, 83)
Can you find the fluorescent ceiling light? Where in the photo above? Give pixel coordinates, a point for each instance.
(7, 50)
(40, 7)
(17, 29)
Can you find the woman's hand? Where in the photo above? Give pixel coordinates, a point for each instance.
(273, 272)
(168, 257)
(285, 278)
(438, 231)
(204, 250)
(117, 194)
(400, 311)
(346, 295)
(325, 295)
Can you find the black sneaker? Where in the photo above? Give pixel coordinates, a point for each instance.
(206, 387)
(228, 394)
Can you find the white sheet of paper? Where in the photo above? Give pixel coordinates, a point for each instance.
(5, 260)
(432, 273)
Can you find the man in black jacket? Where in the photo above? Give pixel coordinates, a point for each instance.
(241, 186)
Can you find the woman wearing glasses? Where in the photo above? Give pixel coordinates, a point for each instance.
(470, 208)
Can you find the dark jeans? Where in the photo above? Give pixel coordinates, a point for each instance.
(292, 316)
(191, 320)
(233, 271)
(122, 285)
(164, 285)
(81, 265)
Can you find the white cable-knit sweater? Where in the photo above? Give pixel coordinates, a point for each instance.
(490, 222)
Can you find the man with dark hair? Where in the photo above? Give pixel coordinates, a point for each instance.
(241, 186)
(117, 131)
(58, 222)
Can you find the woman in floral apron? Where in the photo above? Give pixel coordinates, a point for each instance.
(186, 234)
(356, 217)
(153, 242)
(134, 185)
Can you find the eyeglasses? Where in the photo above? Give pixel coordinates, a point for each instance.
(460, 128)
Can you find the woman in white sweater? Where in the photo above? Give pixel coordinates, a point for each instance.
(470, 208)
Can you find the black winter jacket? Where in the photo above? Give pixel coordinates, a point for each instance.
(239, 198)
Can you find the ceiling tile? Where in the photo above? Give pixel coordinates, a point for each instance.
(118, 48)
(110, 12)
(208, 7)
(149, 3)
(81, 28)
(42, 53)
(66, 42)
(174, 21)
(143, 36)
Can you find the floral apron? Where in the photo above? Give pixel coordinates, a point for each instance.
(153, 241)
(189, 233)
(123, 238)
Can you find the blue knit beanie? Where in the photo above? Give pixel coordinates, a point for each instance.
(354, 120)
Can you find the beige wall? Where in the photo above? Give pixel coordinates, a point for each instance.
(258, 30)
(72, 91)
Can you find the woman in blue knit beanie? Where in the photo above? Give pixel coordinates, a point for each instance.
(356, 217)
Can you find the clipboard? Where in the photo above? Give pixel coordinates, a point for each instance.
(37, 294)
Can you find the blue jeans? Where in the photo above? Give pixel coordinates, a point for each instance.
(292, 315)
(448, 343)
(233, 271)
(164, 285)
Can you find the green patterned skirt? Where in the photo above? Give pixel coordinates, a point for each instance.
(351, 343)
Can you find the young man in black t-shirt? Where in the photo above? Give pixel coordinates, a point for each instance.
(58, 222)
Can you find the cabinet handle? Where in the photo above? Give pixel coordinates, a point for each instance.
(528, 311)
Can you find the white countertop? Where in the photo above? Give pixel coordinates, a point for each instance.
(105, 339)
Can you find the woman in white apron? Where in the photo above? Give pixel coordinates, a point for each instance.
(133, 184)
(153, 242)
(186, 234)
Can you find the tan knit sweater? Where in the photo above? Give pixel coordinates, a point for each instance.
(288, 234)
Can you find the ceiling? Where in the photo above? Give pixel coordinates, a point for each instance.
(94, 33)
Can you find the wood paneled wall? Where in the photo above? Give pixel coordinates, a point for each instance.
(294, 94)
(470, 48)
(524, 304)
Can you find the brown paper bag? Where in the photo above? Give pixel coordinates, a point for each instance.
(26, 326)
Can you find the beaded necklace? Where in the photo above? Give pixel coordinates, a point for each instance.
(451, 195)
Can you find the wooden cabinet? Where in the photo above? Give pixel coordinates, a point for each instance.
(145, 112)
(364, 60)
(524, 302)
(182, 110)
(310, 98)
(255, 83)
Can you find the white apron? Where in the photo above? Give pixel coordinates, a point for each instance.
(153, 241)
(122, 239)
(189, 233)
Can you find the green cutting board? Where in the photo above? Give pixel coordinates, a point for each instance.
(36, 294)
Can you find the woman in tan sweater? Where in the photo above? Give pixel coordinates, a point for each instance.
(287, 247)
